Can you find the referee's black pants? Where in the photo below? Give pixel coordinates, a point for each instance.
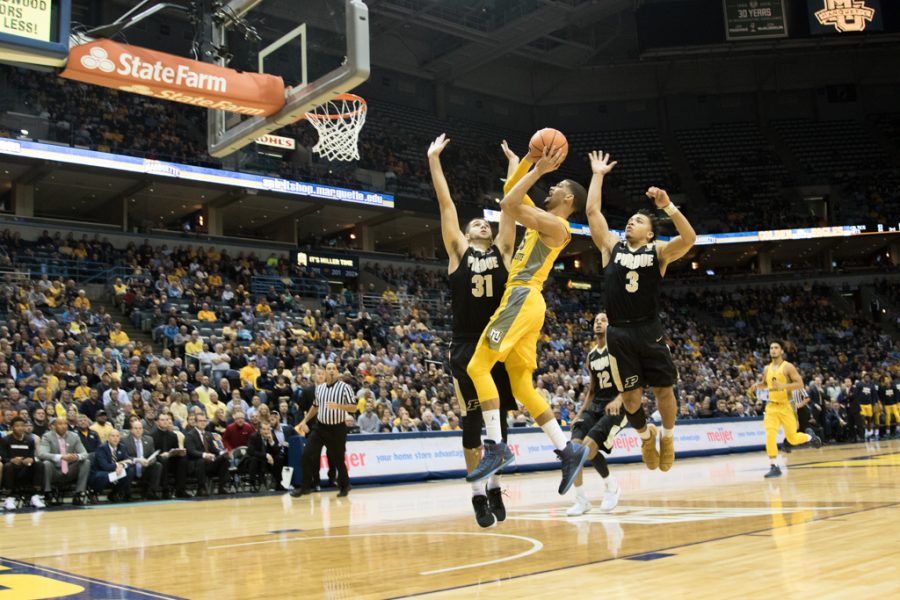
(334, 439)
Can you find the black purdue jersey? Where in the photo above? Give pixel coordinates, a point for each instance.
(476, 288)
(601, 376)
(631, 284)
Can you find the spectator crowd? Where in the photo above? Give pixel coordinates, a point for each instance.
(201, 389)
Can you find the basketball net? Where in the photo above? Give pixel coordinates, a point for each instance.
(338, 122)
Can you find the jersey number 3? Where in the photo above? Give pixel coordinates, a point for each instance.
(632, 277)
(483, 285)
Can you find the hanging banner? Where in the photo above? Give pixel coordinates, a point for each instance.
(169, 77)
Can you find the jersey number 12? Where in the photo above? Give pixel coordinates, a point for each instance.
(483, 285)
(604, 381)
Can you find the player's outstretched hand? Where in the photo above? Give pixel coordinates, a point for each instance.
(550, 161)
(600, 164)
(660, 197)
(438, 145)
(509, 154)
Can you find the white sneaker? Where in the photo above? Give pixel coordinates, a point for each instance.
(610, 499)
(38, 502)
(10, 504)
(581, 506)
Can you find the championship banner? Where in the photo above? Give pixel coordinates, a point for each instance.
(754, 19)
(394, 457)
(169, 77)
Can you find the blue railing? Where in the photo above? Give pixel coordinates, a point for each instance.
(305, 287)
(83, 271)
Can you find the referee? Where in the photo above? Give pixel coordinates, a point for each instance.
(334, 399)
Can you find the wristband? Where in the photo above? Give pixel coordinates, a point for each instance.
(670, 209)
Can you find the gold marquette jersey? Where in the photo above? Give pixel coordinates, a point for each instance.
(534, 259)
(778, 374)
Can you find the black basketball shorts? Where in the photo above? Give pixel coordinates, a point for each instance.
(638, 356)
(467, 397)
(600, 427)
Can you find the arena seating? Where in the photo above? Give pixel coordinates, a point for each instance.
(828, 147)
(740, 174)
(741, 177)
(391, 346)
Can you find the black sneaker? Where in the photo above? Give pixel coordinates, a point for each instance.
(483, 515)
(786, 447)
(572, 457)
(296, 493)
(814, 440)
(495, 501)
(496, 456)
(773, 472)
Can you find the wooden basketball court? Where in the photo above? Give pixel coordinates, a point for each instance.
(710, 527)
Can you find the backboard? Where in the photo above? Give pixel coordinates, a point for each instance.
(319, 47)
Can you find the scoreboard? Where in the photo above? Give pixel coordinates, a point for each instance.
(34, 32)
(754, 19)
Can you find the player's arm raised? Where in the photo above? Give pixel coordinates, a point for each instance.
(549, 226)
(603, 239)
(506, 233)
(454, 240)
(515, 171)
(679, 245)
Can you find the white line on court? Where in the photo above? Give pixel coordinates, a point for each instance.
(536, 545)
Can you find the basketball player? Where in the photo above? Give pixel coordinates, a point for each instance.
(633, 270)
(780, 378)
(598, 421)
(512, 334)
(865, 392)
(478, 267)
(890, 391)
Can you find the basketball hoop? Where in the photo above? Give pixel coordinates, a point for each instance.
(338, 122)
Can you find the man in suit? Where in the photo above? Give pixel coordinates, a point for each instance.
(206, 458)
(265, 454)
(65, 460)
(172, 457)
(140, 447)
(110, 458)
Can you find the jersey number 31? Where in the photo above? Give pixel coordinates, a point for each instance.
(483, 285)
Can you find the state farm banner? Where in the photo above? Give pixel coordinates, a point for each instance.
(417, 456)
(169, 77)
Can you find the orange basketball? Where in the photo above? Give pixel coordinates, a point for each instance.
(546, 137)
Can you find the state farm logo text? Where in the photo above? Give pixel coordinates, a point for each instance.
(132, 66)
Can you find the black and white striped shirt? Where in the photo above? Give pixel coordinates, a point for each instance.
(338, 392)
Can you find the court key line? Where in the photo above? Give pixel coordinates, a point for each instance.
(536, 545)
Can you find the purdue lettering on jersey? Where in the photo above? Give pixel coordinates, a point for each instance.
(476, 288)
(601, 377)
(631, 282)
